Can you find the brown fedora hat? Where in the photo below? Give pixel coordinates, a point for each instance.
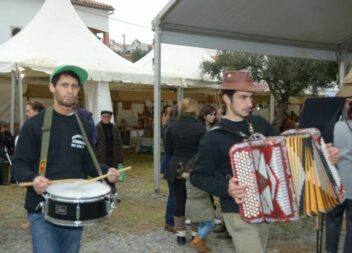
(240, 80)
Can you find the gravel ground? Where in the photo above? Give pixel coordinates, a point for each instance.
(137, 224)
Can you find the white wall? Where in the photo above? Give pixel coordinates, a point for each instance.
(131, 116)
(18, 13)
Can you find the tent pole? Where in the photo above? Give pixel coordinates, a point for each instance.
(157, 125)
(342, 66)
(12, 106)
(180, 94)
(20, 96)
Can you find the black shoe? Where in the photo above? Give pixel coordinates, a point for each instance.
(224, 235)
(181, 240)
(219, 228)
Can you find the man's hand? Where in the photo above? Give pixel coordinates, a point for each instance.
(236, 191)
(113, 175)
(40, 184)
(334, 153)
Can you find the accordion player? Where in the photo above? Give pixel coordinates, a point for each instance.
(287, 176)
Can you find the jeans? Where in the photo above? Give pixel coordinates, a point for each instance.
(170, 205)
(205, 228)
(50, 238)
(334, 220)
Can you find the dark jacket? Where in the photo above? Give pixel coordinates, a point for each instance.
(100, 150)
(212, 170)
(182, 143)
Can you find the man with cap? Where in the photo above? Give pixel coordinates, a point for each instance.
(212, 171)
(65, 159)
(109, 145)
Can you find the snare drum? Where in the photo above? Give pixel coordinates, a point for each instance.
(74, 205)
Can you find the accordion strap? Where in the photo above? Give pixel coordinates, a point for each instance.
(348, 125)
(231, 131)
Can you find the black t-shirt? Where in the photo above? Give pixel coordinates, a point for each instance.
(68, 156)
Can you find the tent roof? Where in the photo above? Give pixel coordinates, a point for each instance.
(312, 29)
(180, 65)
(56, 35)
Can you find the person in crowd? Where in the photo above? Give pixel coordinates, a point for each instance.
(166, 114)
(181, 144)
(32, 108)
(207, 115)
(170, 204)
(109, 145)
(200, 210)
(6, 147)
(212, 170)
(334, 218)
(64, 160)
(287, 123)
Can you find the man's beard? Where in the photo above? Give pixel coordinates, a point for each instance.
(64, 103)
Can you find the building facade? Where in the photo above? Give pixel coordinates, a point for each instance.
(16, 14)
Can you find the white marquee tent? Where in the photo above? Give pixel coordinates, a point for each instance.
(56, 35)
(180, 65)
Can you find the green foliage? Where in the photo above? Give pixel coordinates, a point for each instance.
(285, 76)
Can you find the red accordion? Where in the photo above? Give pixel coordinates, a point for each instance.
(286, 176)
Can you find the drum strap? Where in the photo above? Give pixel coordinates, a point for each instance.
(45, 140)
(89, 147)
(48, 116)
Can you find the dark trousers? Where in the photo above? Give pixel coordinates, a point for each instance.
(1, 170)
(180, 197)
(334, 220)
(170, 205)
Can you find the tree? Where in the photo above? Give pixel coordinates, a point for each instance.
(286, 77)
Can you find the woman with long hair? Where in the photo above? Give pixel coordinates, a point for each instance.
(207, 115)
(181, 144)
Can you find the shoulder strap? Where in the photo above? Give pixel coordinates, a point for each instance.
(90, 150)
(230, 130)
(348, 125)
(48, 116)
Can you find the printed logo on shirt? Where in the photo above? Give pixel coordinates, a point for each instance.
(78, 141)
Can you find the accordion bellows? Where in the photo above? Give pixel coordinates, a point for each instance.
(287, 176)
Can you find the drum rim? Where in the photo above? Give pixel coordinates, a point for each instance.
(75, 200)
(81, 223)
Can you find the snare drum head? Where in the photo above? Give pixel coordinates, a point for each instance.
(75, 190)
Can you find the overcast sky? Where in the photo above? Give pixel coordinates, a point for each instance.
(137, 12)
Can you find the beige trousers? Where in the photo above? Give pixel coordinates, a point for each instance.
(246, 237)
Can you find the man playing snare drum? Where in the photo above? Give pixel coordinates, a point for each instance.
(67, 157)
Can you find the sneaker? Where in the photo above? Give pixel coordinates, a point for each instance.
(188, 222)
(170, 228)
(200, 245)
(224, 235)
(181, 240)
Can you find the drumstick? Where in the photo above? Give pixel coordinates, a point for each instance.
(60, 181)
(101, 177)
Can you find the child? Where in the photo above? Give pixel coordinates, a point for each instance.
(199, 209)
